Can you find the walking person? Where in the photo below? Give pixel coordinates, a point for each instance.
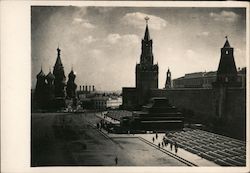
(159, 145)
(156, 135)
(171, 146)
(116, 160)
(167, 141)
(153, 139)
(176, 148)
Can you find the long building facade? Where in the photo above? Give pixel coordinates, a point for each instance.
(204, 79)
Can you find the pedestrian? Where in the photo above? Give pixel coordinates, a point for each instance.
(166, 144)
(159, 145)
(162, 144)
(116, 160)
(156, 135)
(171, 146)
(153, 139)
(176, 148)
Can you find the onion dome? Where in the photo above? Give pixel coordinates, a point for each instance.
(50, 76)
(72, 74)
(40, 74)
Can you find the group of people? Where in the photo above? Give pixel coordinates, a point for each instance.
(104, 125)
(165, 142)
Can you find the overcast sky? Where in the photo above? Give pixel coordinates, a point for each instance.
(103, 44)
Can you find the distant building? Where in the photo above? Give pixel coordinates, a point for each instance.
(195, 80)
(99, 103)
(94, 99)
(114, 103)
(86, 91)
(204, 79)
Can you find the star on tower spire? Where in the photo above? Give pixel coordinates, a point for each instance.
(146, 36)
(226, 43)
(146, 19)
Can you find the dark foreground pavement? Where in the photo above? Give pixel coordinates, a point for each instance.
(61, 139)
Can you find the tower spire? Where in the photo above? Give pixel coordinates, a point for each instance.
(227, 42)
(227, 72)
(58, 51)
(58, 59)
(146, 36)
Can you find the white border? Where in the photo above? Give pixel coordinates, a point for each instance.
(16, 76)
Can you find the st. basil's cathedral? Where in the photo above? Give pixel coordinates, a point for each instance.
(52, 90)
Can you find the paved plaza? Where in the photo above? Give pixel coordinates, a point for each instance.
(73, 139)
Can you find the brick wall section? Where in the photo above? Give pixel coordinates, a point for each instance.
(203, 101)
(236, 103)
(197, 100)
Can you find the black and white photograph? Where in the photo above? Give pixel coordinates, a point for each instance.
(138, 85)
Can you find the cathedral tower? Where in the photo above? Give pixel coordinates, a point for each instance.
(71, 86)
(50, 86)
(59, 82)
(168, 83)
(60, 78)
(146, 70)
(40, 91)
